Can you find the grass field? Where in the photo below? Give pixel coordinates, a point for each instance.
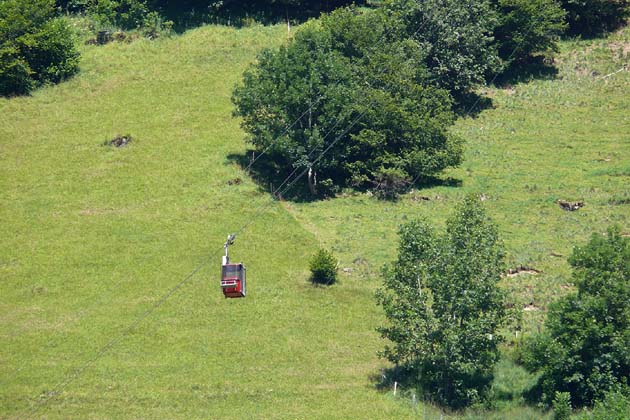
(94, 236)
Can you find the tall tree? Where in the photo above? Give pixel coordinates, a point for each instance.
(36, 47)
(444, 307)
(585, 348)
(348, 100)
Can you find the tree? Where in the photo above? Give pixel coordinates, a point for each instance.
(125, 14)
(444, 306)
(458, 37)
(470, 40)
(592, 17)
(35, 46)
(585, 349)
(358, 93)
(323, 266)
(526, 27)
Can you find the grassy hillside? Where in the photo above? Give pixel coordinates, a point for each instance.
(93, 236)
(555, 138)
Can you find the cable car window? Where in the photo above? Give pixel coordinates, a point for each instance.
(232, 270)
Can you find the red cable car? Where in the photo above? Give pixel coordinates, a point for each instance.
(232, 275)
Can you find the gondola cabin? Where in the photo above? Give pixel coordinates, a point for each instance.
(233, 280)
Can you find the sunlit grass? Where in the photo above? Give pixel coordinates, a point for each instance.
(93, 236)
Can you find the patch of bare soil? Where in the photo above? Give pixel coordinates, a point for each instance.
(513, 272)
(235, 181)
(531, 307)
(569, 206)
(120, 141)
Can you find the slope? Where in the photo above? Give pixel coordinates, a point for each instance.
(94, 236)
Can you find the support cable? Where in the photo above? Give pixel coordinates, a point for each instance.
(103, 350)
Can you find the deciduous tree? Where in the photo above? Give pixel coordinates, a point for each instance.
(444, 307)
(36, 47)
(585, 348)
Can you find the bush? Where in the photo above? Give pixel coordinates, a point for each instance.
(323, 266)
(35, 46)
(562, 406)
(458, 38)
(592, 17)
(73, 6)
(444, 306)
(585, 349)
(124, 14)
(357, 108)
(390, 182)
(526, 27)
(614, 406)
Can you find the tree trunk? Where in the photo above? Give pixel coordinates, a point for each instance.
(312, 181)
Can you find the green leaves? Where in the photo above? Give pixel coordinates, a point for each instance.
(527, 27)
(444, 307)
(586, 347)
(354, 84)
(593, 17)
(323, 266)
(35, 46)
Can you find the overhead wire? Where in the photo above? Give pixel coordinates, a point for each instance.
(312, 105)
(472, 107)
(76, 373)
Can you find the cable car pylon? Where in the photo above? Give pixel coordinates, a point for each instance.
(232, 275)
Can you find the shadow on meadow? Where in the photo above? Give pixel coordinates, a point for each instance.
(523, 71)
(471, 104)
(404, 381)
(291, 185)
(188, 14)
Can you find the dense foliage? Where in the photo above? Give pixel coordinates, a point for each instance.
(526, 27)
(585, 349)
(444, 307)
(592, 17)
(124, 14)
(323, 266)
(457, 37)
(36, 47)
(614, 406)
(356, 90)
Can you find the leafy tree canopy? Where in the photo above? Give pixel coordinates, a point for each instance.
(444, 307)
(592, 17)
(356, 90)
(36, 47)
(457, 36)
(526, 27)
(585, 349)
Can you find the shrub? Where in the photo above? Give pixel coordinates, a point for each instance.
(592, 17)
(614, 406)
(72, 6)
(35, 46)
(357, 108)
(323, 266)
(526, 27)
(458, 38)
(562, 406)
(444, 307)
(390, 182)
(124, 14)
(585, 349)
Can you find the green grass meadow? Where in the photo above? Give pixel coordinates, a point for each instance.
(94, 236)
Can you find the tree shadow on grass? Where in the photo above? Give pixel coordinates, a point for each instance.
(290, 185)
(523, 71)
(471, 104)
(187, 14)
(436, 181)
(273, 179)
